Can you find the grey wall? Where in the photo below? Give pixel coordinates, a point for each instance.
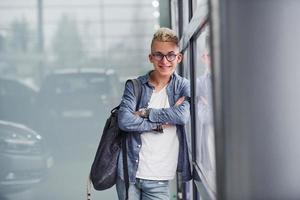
(259, 79)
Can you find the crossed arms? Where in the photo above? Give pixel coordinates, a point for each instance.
(130, 120)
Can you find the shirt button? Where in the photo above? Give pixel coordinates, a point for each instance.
(139, 146)
(136, 160)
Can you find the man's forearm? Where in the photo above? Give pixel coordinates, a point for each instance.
(174, 115)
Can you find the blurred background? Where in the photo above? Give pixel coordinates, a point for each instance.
(63, 65)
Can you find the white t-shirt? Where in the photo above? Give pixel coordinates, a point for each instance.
(158, 156)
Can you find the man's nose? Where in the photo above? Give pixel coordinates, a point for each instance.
(164, 59)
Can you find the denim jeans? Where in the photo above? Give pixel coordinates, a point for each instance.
(144, 190)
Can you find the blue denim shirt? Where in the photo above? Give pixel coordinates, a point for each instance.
(135, 125)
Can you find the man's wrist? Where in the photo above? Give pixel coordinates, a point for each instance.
(144, 112)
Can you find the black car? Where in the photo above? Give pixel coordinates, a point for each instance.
(17, 101)
(75, 103)
(24, 159)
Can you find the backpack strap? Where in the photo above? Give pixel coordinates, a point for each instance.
(137, 87)
(88, 188)
(125, 165)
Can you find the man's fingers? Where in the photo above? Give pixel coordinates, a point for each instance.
(165, 126)
(138, 113)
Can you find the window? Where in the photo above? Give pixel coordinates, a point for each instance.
(205, 148)
(38, 38)
(196, 66)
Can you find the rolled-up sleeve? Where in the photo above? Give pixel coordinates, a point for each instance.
(174, 115)
(127, 120)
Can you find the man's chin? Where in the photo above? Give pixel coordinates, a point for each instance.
(165, 73)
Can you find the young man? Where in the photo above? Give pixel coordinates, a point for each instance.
(157, 146)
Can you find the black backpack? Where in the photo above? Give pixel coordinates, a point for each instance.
(103, 172)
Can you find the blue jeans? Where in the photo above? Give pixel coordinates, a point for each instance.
(144, 190)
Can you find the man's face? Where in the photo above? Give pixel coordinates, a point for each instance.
(165, 56)
(205, 57)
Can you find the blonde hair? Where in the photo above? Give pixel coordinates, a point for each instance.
(164, 34)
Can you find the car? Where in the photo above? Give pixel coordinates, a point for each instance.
(17, 101)
(75, 104)
(24, 158)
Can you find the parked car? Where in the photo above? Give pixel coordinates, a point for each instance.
(75, 102)
(17, 101)
(24, 158)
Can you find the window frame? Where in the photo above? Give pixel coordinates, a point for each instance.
(188, 47)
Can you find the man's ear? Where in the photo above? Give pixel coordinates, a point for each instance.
(179, 57)
(150, 58)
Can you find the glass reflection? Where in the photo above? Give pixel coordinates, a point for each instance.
(205, 155)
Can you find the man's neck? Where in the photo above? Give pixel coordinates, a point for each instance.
(159, 81)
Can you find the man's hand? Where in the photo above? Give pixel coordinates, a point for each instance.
(143, 112)
(138, 113)
(165, 126)
(179, 101)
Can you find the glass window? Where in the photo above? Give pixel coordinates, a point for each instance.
(205, 148)
(199, 2)
(174, 15)
(185, 16)
(95, 45)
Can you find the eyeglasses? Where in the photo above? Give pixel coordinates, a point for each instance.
(159, 56)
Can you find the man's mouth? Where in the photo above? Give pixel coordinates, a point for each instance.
(164, 66)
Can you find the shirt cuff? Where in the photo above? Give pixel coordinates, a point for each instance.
(152, 115)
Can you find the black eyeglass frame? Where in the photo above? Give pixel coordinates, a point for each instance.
(155, 54)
